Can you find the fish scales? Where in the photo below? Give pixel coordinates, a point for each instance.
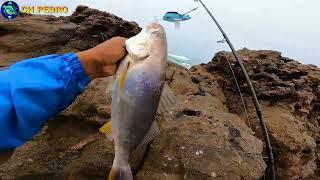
(136, 94)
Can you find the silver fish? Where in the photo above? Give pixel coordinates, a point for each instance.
(139, 92)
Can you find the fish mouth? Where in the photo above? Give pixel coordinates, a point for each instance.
(154, 26)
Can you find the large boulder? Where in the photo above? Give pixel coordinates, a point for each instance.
(289, 93)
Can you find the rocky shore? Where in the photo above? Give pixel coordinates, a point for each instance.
(205, 136)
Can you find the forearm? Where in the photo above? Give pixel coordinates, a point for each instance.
(33, 91)
(94, 66)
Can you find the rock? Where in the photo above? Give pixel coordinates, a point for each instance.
(213, 174)
(30, 36)
(195, 79)
(190, 112)
(288, 93)
(205, 136)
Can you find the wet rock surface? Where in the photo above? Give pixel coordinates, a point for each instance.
(205, 136)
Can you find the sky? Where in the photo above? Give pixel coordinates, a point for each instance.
(289, 26)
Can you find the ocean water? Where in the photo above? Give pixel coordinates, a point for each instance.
(289, 26)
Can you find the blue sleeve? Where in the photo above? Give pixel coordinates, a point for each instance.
(34, 90)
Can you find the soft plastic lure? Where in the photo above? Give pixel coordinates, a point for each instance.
(176, 17)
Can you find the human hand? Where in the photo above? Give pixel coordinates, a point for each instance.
(101, 60)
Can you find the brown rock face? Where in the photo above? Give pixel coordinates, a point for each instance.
(29, 36)
(289, 92)
(205, 136)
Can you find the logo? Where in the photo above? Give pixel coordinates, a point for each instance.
(44, 9)
(10, 10)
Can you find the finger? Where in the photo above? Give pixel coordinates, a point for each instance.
(114, 58)
(121, 44)
(109, 70)
(116, 50)
(119, 39)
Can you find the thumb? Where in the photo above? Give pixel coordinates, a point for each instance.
(109, 70)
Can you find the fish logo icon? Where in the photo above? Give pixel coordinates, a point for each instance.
(10, 10)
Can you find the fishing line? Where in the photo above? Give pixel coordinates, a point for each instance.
(191, 11)
(241, 95)
(238, 87)
(253, 93)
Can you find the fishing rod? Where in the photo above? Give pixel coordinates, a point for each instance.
(253, 93)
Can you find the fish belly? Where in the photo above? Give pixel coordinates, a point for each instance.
(134, 110)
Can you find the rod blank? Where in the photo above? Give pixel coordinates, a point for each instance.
(253, 94)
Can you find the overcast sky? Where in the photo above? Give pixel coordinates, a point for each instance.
(289, 26)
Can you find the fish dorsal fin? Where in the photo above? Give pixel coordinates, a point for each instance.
(152, 133)
(167, 99)
(107, 130)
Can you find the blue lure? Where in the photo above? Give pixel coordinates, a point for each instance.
(175, 16)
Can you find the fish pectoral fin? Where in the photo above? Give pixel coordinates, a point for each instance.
(152, 133)
(167, 99)
(123, 76)
(107, 130)
(110, 82)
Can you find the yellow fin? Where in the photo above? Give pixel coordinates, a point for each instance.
(107, 130)
(123, 76)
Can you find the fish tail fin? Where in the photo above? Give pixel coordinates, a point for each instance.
(121, 173)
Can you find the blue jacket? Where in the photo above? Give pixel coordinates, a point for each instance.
(34, 90)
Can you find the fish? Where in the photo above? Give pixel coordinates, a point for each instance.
(139, 92)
